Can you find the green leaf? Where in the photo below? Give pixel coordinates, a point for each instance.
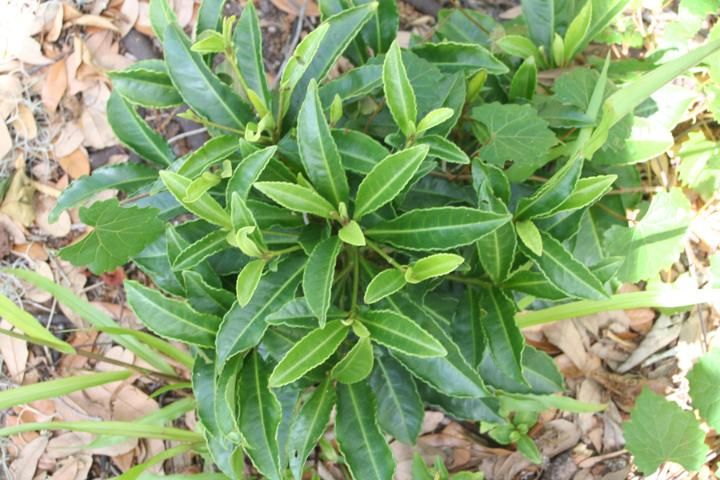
(198, 251)
(259, 419)
(380, 32)
(248, 280)
(210, 41)
(126, 177)
(146, 83)
(400, 333)
(161, 15)
(465, 25)
(648, 139)
(552, 193)
(26, 323)
(504, 339)
(677, 438)
(318, 151)
(204, 207)
(434, 118)
(248, 49)
(383, 284)
(576, 32)
(309, 425)
(352, 234)
(464, 57)
(366, 452)
(243, 327)
(211, 153)
(210, 15)
(540, 19)
(297, 198)
(206, 298)
(199, 87)
(127, 429)
(704, 379)
(359, 152)
(248, 171)
(432, 266)
(656, 241)
(318, 276)
(14, 397)
(387, 179)
(565, 272)
(524, 82)
(170, 318)
(699, 165)
(587, 191)
(135, 133)
(529, 235)
(516, 132)
(295, 313)
(440, 228)
(444, 149)
(517, 46)
(533, 283)
(312, 350)
(399, 93)
(352, 85)
(496, 251)
(356, 365)
(400, 409)
(118, 234)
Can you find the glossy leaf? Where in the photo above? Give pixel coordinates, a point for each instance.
(444, 149)
(529, 235)
(505, 340)
(400, 333)
(356, 365)
(198, 251)
(146, 83)
(359, 152)
(318, 276)
(552, 193)
(204, 207)
(352, 234)
(399, 93)
(248, 49)
(161, 15)
(297, 198)
(383, 284)
(432, 266)
(465, 57)
(248, 171)
(247, 281)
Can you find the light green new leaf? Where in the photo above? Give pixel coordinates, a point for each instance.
(529, 234)
(248, 171)
(248, 280)
(198, 251)
(135, 133)
(170, 318)
(209, 42)
(127, 429)
(699, 165)
(259, 418)
(318, 152)
(146, 83)
(400, 333)
(383, 284)
(399, 92)
(655, 242)
(356, 365)
(366, 452)
(400, 409)
(524, 82)
(565, 272)
(27, 324)
(318, 276)
(660, 431)
(440, 228)
(704, 379)
(243, 327)
(588, 190)
(517, 46)
(387, 179)
(214, 151)
(434, 118)
(118, 234)
(204, 207)
(248, 49)
(577, 31)
(56, 388)
(352, 234)
(504, 339)
(309, 425)
(444, 149)
(432, 266)
(297, 198)
(312, 350)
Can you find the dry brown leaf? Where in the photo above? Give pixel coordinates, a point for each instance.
(664, 332)
(66, 444)
(74, 468)
(5, 140)
(14, 353)
(96, 21)
(76, 164)
(566, 336)
(142, 24)
(54, 86)
(43, 205)
(33, 250)
(94, 123)
(70, 139)
(35, 294)
(184, 11)
(18, 201)
(55, 25)
(11, 92)
(24, 467)
(128, 15)
(16, 231)
(293, 7)
(24, 124)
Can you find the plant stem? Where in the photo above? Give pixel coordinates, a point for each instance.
(356, 278)
(277, 253)
(621, 301)
(384, 255)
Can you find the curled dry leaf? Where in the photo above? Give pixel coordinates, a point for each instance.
(54, 85)
(14, 353)
(70, 139)
(24, 124)
(96, 129)
(76, 164)
(142, 24)
(129, 13)
(43, 205)
(33, 250)
(33, 293)
(67, 444)
(24, 467)
(96, 21)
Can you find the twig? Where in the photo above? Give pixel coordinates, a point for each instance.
(189, 133)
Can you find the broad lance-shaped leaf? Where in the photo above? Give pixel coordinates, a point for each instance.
(440, 228)
(387, 179)
(204, 92)
(400, 333)
(135, 133)
(161, 15)
(247, 43)
(204, 207)
(540, 18)
(297, 198)
(704, 379)
(504, 339)
(359, 152)
(295, 313)
(206, 298)
(243, 327)
(126, 177)
(318, 276)
(444, 149)
(565, 272)
(170, 318)
(26, 323)
(383, 284)
(400, 409)
(352, 85)
(399, 92)
(195, 253)
(356, 365)
(259, 419)
(552, 193)
(248, 280)
(308, 353)
(465, 57)
(587, 191)
(214, 151)
(381, 30)
(210, 16)
(433, 266)
(146, 83)
(341, 29)
(318, 152)
(118, 234)
(309, 425)
(248, 171)
(366, 452)
(496, 250)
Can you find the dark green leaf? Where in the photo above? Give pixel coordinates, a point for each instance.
(211, 153)
(540, 18)
(295, 313)
(399, 92)
(161, 15)
(352, 85)
(195, 253)
(359, 152)
(466, 57)
(548, 198)
(524, 81)
(210, 15)
(504, 338)
(248, 48)
(382, 28)
(318, 276)
(470, 409)
(146, 83)
(206, 298)
(204, 207)
(400, 333)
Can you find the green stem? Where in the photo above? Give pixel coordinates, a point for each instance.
(356, 278)
(621, 301)
(384, 255)
(277, 253)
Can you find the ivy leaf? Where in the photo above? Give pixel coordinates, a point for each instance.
(660, 431)
(318, 277)
(516, 133)
(118, 234)
(399, 92)
(656, 241)
(704, 379)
